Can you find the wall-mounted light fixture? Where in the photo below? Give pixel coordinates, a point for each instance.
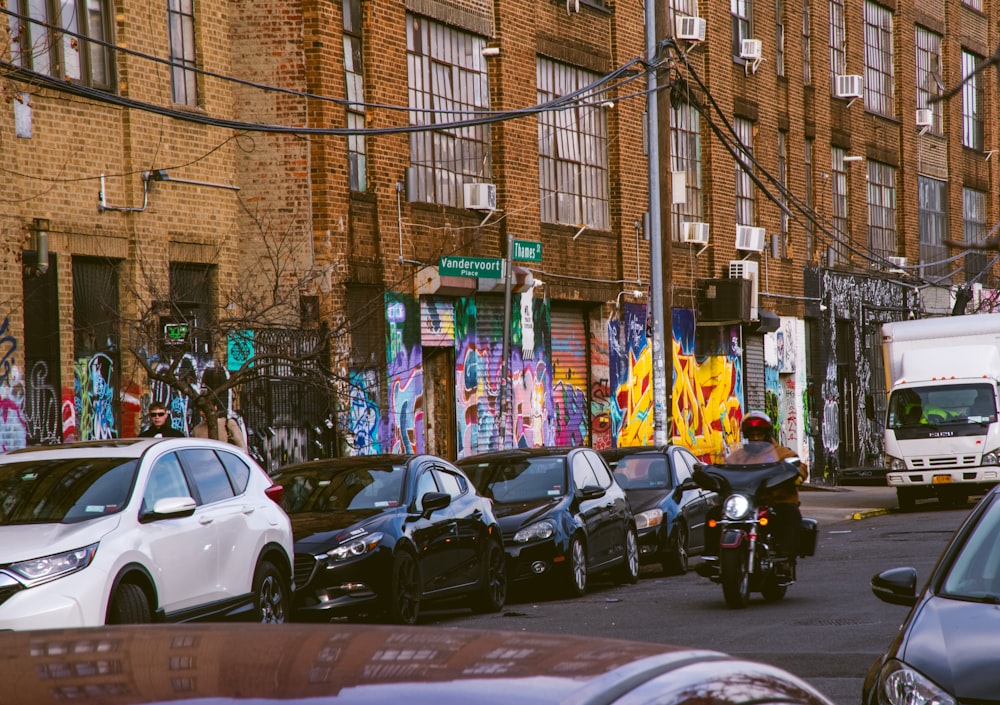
(635, 293)
(853, 158)
(490, 51)
(40, 245)
(163, 175)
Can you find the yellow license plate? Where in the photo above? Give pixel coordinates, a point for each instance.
(941, 479)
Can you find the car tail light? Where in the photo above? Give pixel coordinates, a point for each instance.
(276, 493)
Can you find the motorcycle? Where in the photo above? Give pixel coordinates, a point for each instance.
(747, 559)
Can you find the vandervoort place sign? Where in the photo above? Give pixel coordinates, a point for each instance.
(484, 267)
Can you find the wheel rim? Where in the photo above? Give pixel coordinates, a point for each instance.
(272, 601)
(682, 549)
(498, 578)
(579, 566)
(407, 596)
(632, 553)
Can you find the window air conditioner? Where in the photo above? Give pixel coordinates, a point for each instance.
(897, 262)
(746, 269)
(925, 117)
(751, 49)
(690, 28)
(480, 197)
(749, 238)
(696, 232)
(849, 86)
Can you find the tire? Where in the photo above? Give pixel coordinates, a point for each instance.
(906, 500)
(735, 577)
(675, 553)
(407, 588)
(576, 568)
(270, 594)
(629, 571)
(493, 594)
(771, 589)
(129, 605)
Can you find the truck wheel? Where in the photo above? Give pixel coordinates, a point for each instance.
(907, 501)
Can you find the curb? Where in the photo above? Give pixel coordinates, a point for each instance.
(858, 516)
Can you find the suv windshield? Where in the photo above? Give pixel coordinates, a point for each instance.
(64, 491)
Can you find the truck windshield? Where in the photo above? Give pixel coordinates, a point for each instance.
(972, 403)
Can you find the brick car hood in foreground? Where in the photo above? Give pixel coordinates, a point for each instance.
(371, 664)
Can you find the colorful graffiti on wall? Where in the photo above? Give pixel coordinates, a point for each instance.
(707, 392)
(630, 358)
(94, 393)
(530, 380)
(405, 373)
(365, 419)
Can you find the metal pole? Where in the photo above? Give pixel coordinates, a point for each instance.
(505, 354)
(655, 245)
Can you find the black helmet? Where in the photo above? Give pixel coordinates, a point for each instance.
(757, 421)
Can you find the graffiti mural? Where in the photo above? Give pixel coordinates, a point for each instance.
(600, 387)
(365, 418)
(785, 379)
(531, 383)
(405, 374)
(42, 411)
(94, 392)
(707, 390)
(630, 358)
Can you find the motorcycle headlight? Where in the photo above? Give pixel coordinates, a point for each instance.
(991, 458)
(736, 507)
(898, 684)
(352, 549)
(648, 518)
(58, 565)
(537, 531)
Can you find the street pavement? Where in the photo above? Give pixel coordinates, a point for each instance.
(850, 502)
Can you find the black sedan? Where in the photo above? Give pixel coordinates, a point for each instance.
(945, 652)
(670, 516)
(381, 534)
(562, 515)
(354, 664)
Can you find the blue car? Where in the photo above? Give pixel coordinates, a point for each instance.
(562, 515)
(670, 510)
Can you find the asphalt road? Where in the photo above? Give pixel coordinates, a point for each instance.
(829, 629)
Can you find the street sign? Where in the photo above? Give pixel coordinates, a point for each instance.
(483, 267)
(527, 251)
(176, 333)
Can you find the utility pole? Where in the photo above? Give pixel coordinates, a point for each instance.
(655, 245)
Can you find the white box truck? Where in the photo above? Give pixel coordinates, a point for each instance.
(941, 436)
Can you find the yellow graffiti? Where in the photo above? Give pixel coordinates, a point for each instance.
(637, 421)
(706, 408)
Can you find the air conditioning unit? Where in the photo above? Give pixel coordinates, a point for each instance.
(897, 262)
(925, 117)
(751, 49)
(696, 232)
(849, 85)
(745, 269)
(723, 300)
(749, 238)
(481, 197)
(690, 28)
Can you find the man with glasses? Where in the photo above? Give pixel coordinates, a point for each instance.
(160, 425)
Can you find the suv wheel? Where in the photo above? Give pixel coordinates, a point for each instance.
(129, 605)
(270, 594)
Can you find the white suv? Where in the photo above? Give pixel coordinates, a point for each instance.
(140, 530)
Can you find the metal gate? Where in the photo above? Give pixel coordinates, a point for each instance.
(570, 375)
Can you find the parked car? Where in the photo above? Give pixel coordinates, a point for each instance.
(356, 663)
(562, 514)
(670, 515)
(140, 530)
(944, 651)
(387, 534)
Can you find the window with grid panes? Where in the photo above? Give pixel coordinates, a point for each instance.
(741, 15)
(972, 102)
(357, 157)
(840, 192)
(62, 50)
(879, 84)
(572, 148)
(807, 164)
(447, 84)
(806, 42)
(744, 184)
(881, 209)
(183, 79)
(783, 184)
(929, 74)
(779, 37)
(933, 223)
(838, 43)
(974, 230)
(685, 156)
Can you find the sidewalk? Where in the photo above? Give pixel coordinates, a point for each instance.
(849, 501)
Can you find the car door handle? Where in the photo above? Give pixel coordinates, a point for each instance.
(249, 509)
(205, 519)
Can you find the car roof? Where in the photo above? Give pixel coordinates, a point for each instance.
(349, 462)
(622, 451)
(111, 448)
(510, 453)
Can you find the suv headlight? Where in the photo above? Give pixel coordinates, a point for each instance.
(990, 458)
(648, 518)
(736, 507)
(58, 565)
(895, 464)
(537, 531)
(898, 684)
(354, 548)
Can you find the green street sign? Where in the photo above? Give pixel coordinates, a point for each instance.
(527, 251)
(484, 267)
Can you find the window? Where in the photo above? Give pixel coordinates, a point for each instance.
(783, 184)
(447, 83)
(741, 12)
(357, 159)
(685, 156)
(572, 149)
(66, 54)
(208, 475)
(879, 85)
(166, 479)
(583, 472)
(807, 164)
(974, 230)
(881, 209)
(806, 42)
(841, 199)
(239, 472)
(929, 74)
(972, 102)
(744, 184)
(974, 4)
(190, 299)
(180, 16)
(779, 34)
(686, 8)
(838, 43)
(933, 218)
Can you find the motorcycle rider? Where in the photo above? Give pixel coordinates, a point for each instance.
(784, 498)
